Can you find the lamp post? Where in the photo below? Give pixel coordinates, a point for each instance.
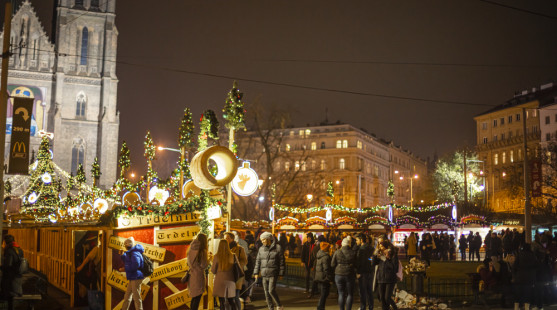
(411, 187)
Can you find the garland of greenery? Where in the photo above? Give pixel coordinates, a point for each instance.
(208, 128)
(363, 210)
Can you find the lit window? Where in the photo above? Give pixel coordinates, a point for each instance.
(287, 166)
(308, 132)
(287, 148)
(534, 113)
(297, 166)
(301, 132)
(313, 146)
(303, 166)
(503, 157)
(519, 154)
(344, 144)
(323, 165)
(341, 164)
(511, 156)
(376, 170)
(496, 159)
(339, 144)
(359, 144)
(292, 133)
(313, 163)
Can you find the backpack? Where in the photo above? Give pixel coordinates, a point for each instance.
(147, 268)
(400, 272)
(23, 264)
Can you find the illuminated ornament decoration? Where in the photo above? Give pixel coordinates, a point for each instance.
(246, 181)
(101, 205)
(34, 165)
(46, 178)
(329, 215)
(226, 167)
(130, 199)
(189, 189)
(51, 154)
(453, 213)
(391, 214)
(272, 214)
(52, 218)
(33, 197)
(159, 194)
(72, 211)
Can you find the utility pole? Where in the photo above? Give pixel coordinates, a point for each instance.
(465, 180)
(527, 206)
(4, 104)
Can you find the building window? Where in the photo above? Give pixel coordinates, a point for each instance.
(510, 119)
(484, 126)
(376, 170)
(313, 163)
(323, 165)
(494, 138)
(296, 166)
(519, 154)
(322, 145)
(292, 133)
(547, 120)
(547, 136)
(344, 144)
(503, 157)
(502, 121)
(534, 113)
(287, 166)
(84, 44)
(494, 123)
(308, 132)
(287, 148)
(485, 140)
(95, 4)
(301, 132)
(502, 136)
(341, 164)
(517, 117)
(511, 156)
(78, 154)
(339, 144)
(510, 134)
(313, 146)
(79, 3)
(496, 159)
(81, 104)
(535, 129)
(359, 144)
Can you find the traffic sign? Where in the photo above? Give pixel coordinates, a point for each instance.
(21, 130)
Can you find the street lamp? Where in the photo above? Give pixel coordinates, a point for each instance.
(411, 187)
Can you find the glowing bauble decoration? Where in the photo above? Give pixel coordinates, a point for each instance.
(35, 165)
(73, 211)
(246, 181)
(101, 205)
(226, 164)
(189, 189)
(46, 178)
(453, 213)
(272, 214)
(329, 215)
(33, 197)
(131, 199)
(158, 194)
(52, 218)
(391, 214)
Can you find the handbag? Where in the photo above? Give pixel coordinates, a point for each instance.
(186, 277)
(237, 270)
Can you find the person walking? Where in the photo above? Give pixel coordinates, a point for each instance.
(462, 246)
(224, 286)
(270, 266)
(477, 244)
(242, 258)
(198, 261)
(471, 246)
(524, 276)
(344, 265)
(133, 262)
(426, 247)
(323, 273)
(248, 274)
(412, 245)
(364, 272)
(386, 260)
(307, 259)
(11, 279)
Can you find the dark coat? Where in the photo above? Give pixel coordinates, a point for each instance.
(133, 261)
(323, 270)
(344, 261)
(525, 267)
(11, 279)
(386, 269)
(307, 249)
(496, 246)
(269, 261)
(363, 262)
(462, 243)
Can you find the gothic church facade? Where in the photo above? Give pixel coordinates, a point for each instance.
(72, 77)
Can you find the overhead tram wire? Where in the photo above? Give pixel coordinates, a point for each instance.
(519, 9)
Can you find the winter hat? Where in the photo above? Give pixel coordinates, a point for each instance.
(129, 242)
(324, 246)
(266, 235)
(339, 242)
(346, 241)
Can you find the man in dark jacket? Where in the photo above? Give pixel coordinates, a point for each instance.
(11, 279)
(344, 265)
(471, 246)
(323, 273)
(307, 259)
(270, 265)
(133, 262)
(386, 259)
(364, 272)
(496, 246)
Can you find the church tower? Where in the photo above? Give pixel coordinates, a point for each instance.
(72, 77)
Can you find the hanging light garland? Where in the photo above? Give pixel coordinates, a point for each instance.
(298, 210)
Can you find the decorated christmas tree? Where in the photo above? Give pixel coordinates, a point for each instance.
(185, 141)
(150, 156)
(124, 162)
(95, 171)
(208, 128)
(234, 114)
(42, 197)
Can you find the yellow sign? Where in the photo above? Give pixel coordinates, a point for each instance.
(154, 220)
(178, 299)
(175, 235)
(151, 251)
(169, 269)
(118, 280)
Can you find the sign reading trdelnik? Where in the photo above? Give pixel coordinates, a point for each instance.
(118, 280)
(151, 251)
(178, 299)
(154, 220)
(176, 235)
(169, 269)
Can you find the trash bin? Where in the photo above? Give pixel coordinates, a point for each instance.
(418, 282)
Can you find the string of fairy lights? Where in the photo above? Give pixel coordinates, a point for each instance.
(341, 208)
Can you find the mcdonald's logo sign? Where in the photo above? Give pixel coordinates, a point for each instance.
(21, 124)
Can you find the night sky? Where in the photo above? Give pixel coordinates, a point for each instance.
(415, 72)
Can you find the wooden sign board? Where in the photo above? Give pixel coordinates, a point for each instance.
(176, 300)
(169, 269)
(118, 280)
(151, 251)
(144, 291)
(155, 220)
(175, 235)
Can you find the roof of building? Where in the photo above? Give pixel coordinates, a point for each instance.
(545, 94)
